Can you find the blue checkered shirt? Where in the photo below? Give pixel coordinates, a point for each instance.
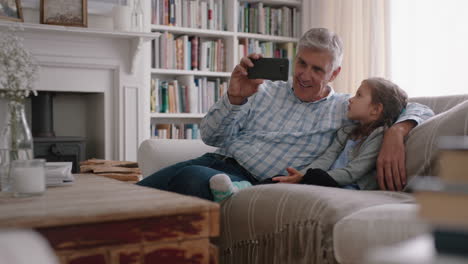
(275, 130)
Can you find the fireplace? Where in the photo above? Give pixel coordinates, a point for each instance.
(47, 145)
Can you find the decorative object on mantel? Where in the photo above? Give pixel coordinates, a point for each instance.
(120, 170)
(11, 10)
(122, 14)
(64, 12)
(137, 16)
(18, 73)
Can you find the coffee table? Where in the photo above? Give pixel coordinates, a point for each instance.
(101, 220)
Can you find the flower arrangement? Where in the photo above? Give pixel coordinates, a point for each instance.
(18, 69)
(18, 74)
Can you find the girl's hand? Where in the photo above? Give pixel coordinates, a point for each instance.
(293, 177)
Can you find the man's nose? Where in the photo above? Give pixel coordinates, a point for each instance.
(307, 75)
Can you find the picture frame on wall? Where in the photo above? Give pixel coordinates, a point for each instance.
(11, 10)
(64, 12)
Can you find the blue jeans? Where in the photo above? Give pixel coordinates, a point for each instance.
(192, 177)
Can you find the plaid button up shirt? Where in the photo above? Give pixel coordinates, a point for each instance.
(275, 130)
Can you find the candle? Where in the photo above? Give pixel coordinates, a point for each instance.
(28, 177)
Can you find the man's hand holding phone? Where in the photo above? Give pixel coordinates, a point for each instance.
(240, 86)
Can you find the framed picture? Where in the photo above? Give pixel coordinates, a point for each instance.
(11, 10)
(64, 12)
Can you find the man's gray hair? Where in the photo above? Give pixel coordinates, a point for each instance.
(322, 39)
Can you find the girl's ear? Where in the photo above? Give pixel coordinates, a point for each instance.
(377, 110)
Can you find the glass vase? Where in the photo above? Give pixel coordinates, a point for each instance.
(137, 16)
(15, 141)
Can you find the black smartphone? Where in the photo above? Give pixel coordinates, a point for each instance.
(269, 68)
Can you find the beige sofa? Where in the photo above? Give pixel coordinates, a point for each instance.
(289, 223)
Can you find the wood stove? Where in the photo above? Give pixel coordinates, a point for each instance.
(48, 146)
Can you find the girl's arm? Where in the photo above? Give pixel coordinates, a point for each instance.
(329, 156)
(361, 165)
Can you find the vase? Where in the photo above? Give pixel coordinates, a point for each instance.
(137, 16)
(15, 141)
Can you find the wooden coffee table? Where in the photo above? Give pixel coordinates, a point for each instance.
(100, 220)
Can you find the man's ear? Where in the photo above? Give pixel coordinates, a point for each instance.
(335, 74)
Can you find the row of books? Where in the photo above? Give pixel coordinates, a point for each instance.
(185, 94)
(257, 18)
(268, 49)
(188, 53)
(175, 131)
(443, 199)
(203, 14)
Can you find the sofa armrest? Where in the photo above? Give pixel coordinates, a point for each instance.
(155, 154)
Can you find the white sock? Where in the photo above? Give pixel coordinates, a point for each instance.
(222, 187)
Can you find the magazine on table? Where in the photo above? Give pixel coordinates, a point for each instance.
(58, 174)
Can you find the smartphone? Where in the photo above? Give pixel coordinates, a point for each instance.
(269, 68)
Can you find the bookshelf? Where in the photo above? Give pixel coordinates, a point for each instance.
(236, 28)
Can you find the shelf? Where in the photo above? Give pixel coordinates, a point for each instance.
(276, 2)
(30, 27)
(137, 38)
(178, 115)
(266, 37)
(193, 31)
(195, 73)
(95, 7)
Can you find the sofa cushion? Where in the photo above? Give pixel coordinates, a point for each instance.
(421, 144)
(375, 226)
(289, 223)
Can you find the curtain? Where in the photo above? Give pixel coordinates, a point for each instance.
(364, 28)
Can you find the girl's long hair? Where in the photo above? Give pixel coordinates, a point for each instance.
(393, 100)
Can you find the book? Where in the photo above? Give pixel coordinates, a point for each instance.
(453, 159)
(451, 241)
(444, 208)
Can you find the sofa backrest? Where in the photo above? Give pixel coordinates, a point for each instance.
(155, 154)
(440, 104)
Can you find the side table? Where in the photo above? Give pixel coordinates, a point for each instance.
(101, 221)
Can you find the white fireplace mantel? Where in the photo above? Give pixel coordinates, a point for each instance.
(137, 39)
(84, 60)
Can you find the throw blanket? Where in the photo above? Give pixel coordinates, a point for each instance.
(290, 223)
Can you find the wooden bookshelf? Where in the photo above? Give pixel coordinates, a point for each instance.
(231, 37)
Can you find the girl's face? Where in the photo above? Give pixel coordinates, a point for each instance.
(361, 108)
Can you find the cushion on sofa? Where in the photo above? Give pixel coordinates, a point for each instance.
(421, 144)
(289, 223)
(375, 226)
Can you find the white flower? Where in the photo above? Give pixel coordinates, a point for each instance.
(18, 68)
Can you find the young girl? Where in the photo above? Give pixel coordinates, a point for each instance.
(349, 162)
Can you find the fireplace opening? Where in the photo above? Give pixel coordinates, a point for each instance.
(47, 145)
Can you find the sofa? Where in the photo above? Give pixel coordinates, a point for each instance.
(292, 223)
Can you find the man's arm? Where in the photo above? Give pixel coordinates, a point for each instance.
(226, 116)
(391, 167)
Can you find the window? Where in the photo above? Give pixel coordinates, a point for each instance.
(429, 46)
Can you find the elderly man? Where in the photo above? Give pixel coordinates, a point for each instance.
(263, 127)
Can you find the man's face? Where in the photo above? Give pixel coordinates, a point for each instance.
(313, 70)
